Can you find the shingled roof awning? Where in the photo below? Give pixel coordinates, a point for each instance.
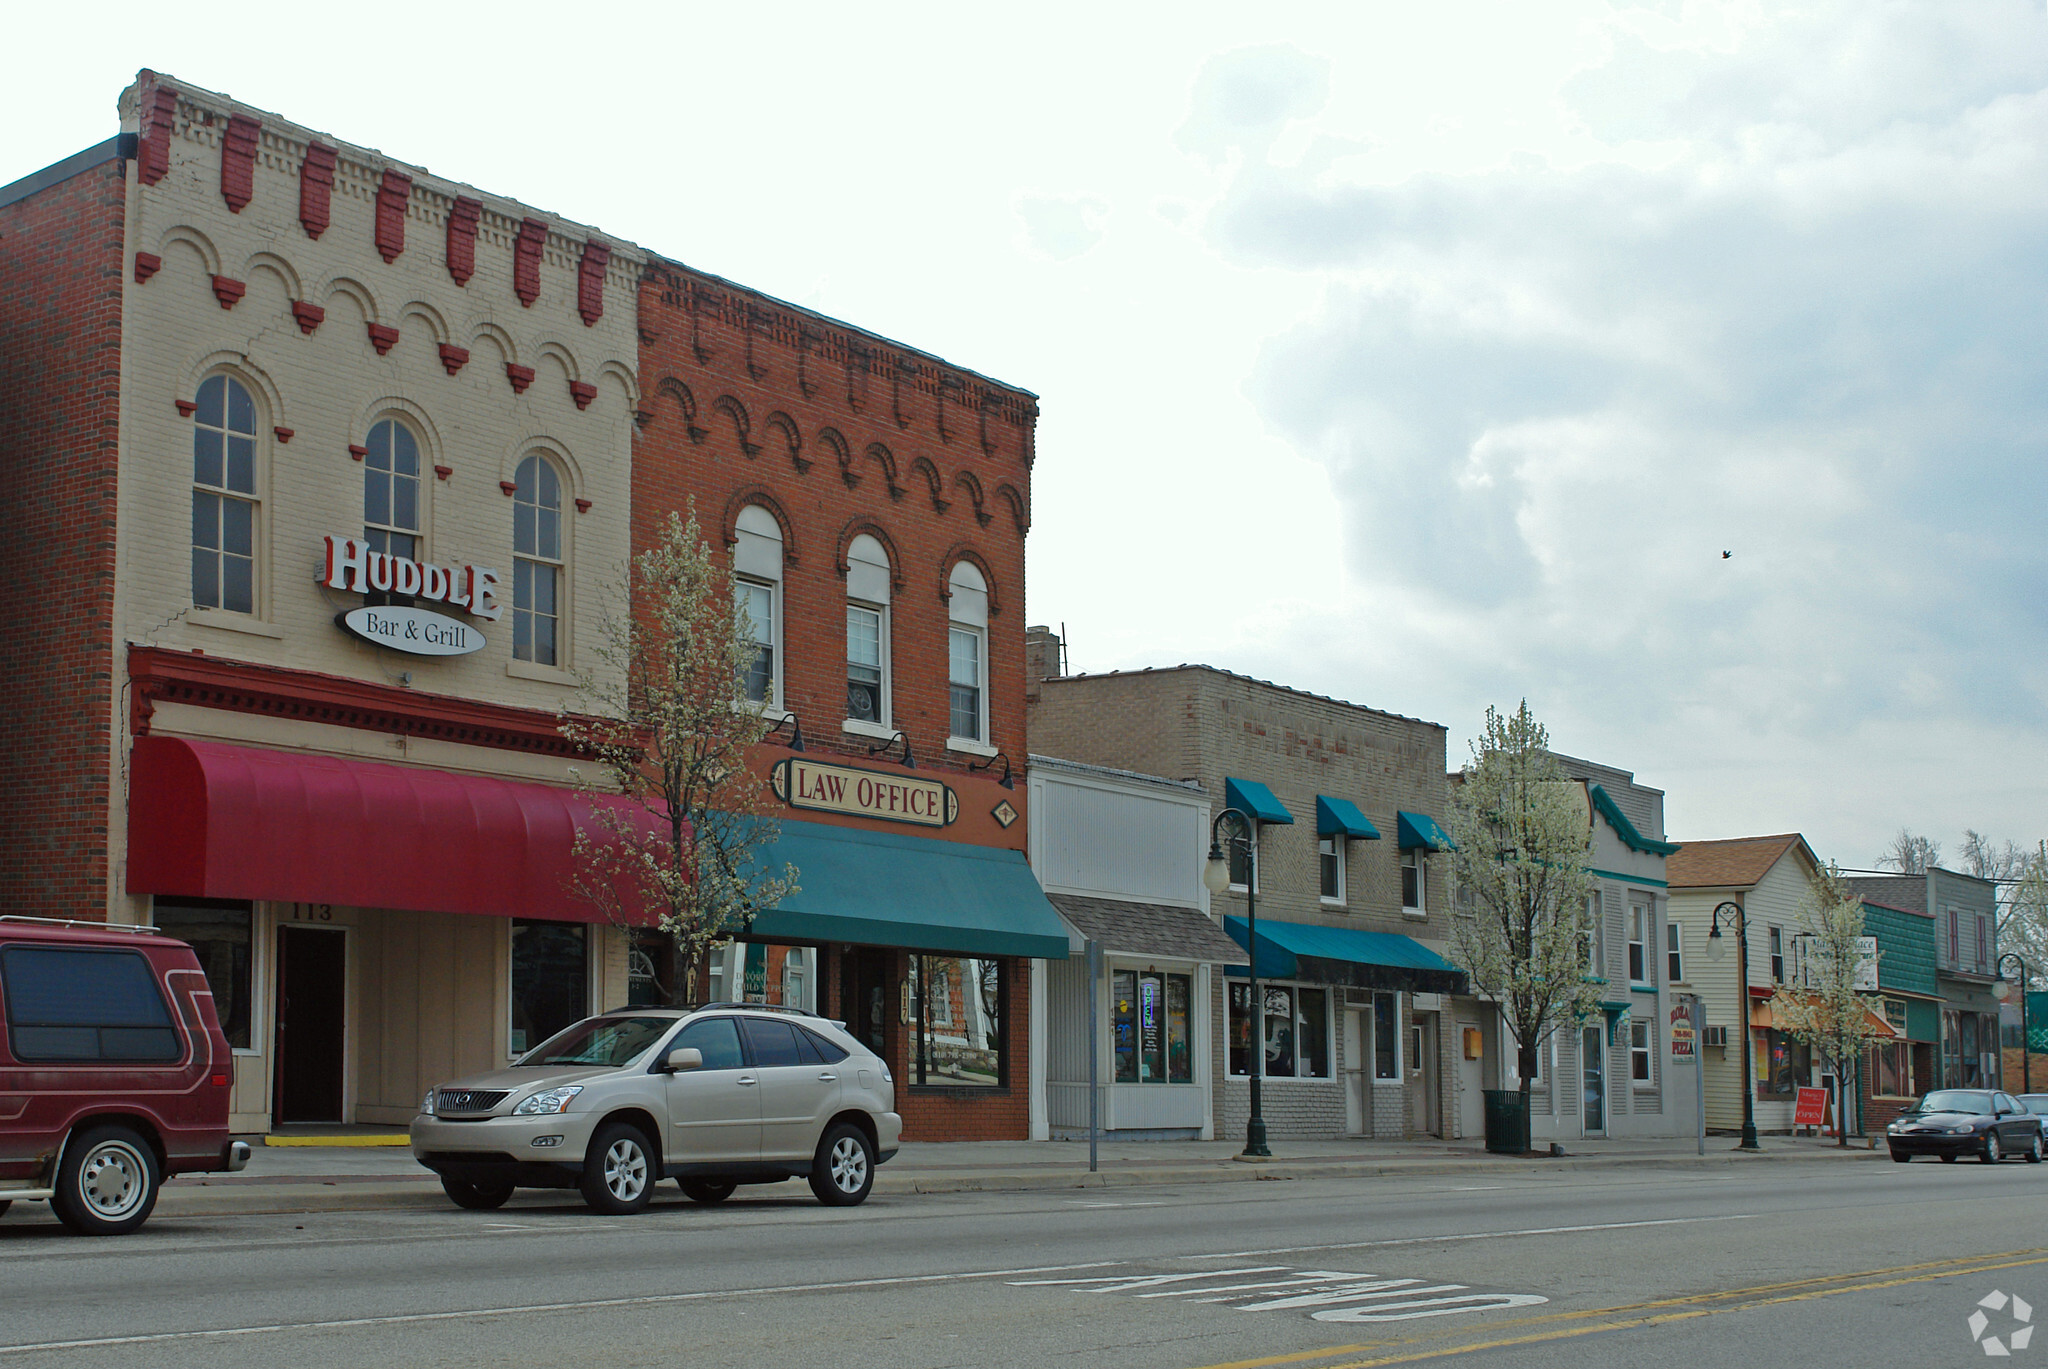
(1151, 929)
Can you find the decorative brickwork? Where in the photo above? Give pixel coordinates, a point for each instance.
(159, 117)
(462, 220)
(590, 282)
(520, 376)
(316, 189)
(383, 337)
(229, 292)
(582, 391)
(238, 161)
(147, 264)
(61, 250)
(309, 315)
(394, 197)
(526, 249)
(453, 358)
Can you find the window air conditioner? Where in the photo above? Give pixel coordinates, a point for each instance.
(1714, 1036)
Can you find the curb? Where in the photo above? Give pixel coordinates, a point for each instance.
(399, 1139)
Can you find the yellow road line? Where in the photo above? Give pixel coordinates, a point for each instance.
(1622, 1317)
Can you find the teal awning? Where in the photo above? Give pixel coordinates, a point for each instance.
(1249, 796)
(1341, 818)
(1344, 955)
(1606, 807)
(886, 889)
(1420, 829)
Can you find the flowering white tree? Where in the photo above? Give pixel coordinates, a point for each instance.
(1827, 1010)
(1523, 836)
(669, 723)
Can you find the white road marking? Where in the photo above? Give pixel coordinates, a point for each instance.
(1471, 1236)
(1079, 1202)
(1430, 1307)
(644, 1300)
(1343, 1295)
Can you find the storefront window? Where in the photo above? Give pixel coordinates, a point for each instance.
(1782, 1065)
(954, 1009)
(1973, 1076)
(550, 979)
(219, 932)
(1891, 1070)
(1149, 1027)
(651, 969)
(1297, 1044)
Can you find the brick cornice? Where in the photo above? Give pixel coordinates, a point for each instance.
(157, 675)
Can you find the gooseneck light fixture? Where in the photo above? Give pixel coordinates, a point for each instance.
(1731, 914)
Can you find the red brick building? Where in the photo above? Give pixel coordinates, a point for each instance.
(874, 500)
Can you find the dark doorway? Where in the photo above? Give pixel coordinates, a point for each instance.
(864, 996)
(312, 993)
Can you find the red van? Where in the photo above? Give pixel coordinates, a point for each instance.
(113, 1071)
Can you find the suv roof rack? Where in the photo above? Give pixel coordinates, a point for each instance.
(132, 928)
(762, 1007)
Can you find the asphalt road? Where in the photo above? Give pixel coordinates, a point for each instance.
(1809, 1262)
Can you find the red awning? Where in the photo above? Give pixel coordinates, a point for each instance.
(210, 820)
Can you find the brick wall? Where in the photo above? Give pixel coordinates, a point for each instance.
(60, 377)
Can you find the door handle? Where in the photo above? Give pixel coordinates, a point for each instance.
(829, 1077)
(745, 1079)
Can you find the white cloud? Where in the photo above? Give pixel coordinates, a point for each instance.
(1061, 227)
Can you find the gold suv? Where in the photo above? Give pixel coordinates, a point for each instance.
(713, 1097)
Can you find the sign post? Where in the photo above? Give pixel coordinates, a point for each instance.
(1685, 1039)
(1094, 1052)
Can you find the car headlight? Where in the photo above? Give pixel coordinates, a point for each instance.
(547, 1100)
(427, 1104)
(1961, 1131)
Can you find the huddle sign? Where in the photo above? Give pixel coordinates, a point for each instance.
(804, 783)
(351, 565)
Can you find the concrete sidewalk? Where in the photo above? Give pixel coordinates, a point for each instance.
(351, 1176)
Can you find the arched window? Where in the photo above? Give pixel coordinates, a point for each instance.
(757, 585)
(967, 654)
(391, 490)
(537, 570)
(224, 496)
(867, 632)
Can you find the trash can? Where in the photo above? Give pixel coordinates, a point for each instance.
(1507, 1122)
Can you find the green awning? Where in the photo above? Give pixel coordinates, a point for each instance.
(1341, 818)
(1420, 829)
(885, 889)
(1604, 804)
(1344, 955)
(1251, 797)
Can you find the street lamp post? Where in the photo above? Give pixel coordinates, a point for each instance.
(1731, 913)
(1216, 876)
(2001, 991)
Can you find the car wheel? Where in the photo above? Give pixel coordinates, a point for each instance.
(476, 1197)
(4, 1205)
(1899, 1157)
(618, 1170)
(706, 1191)
(1992, 1153)
(2034, 1149)
(107, 1184)
(844, 1170)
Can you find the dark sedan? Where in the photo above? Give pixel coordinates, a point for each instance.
(1981, 1122)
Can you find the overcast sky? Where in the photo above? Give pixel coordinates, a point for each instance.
(1429, 356)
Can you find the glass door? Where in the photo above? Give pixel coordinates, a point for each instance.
(1593, 1068)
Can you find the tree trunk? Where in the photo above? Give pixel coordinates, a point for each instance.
(1525, 1065)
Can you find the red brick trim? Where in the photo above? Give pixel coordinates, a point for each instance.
(316, 189)
(238, 161)
(1020, 512)
(159, 118)
(453, 357)
(583, 506)
(462, 221)
(158, 675)
(590, 282)
(510, 487)
(309, 315)
(934, 483)
(582, 391)
(520, 376)
(229, 292)
(533, 235)
(863, 524)
(284, 435)
(394, 196)
(382, 336)
(186, 407)
(443, 472)
(357, 451)
(147, 264)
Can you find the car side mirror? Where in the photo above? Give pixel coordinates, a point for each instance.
(684, 1059)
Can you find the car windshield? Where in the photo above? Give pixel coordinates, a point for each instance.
(603, 1041)
(1956, 1100)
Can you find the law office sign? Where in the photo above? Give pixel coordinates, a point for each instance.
(803, 783)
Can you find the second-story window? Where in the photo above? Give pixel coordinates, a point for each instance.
(1777, 955)
(1674, 953)
(967, 654)
(1414, 876)
(391, 490)
(224, 496)
(757, 585)
(1330, 865)
(537, 562)
(867, 633)
(1638, 944)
